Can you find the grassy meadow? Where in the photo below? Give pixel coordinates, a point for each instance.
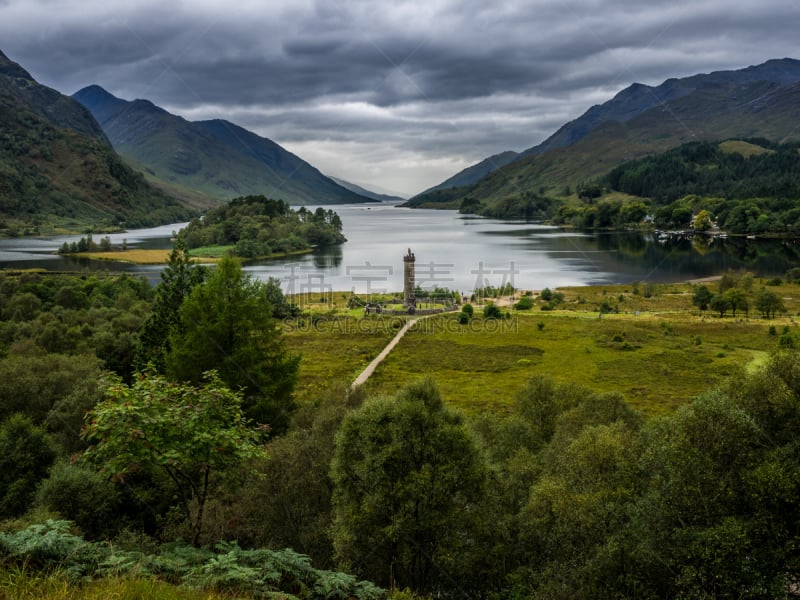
(335, 349)
(657, 350)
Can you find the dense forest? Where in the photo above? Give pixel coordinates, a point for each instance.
(706, 169)
(755, 190)
(147, 416)
(255, 226)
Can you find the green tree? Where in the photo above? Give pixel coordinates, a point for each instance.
(768, 303)
(178, 279)
(730, 279)
(23, 306)
(407, 477)
(701, 297)
(702, 221)
(287, 504)
(633, 212)
(26, 452)
(84, 496)
(719, 303)
(33, 385)
(226, 324)
(681, 216)
(576, 510)
(737, 299)
(696, 532)
(189, 432)
(281, 308)
(492, 311)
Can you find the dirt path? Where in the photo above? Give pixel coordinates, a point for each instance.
(362, 378)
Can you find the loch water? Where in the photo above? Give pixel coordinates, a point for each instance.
(455, 251)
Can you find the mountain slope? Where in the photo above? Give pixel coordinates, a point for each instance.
(52, 106)
(367, 193)
(215, 158)
(627, 105)
(727, 110)
(732, 104)
(639, 98)
(58, 171)
(477, 171)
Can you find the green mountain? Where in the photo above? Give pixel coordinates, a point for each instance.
(367, 193)
(58, 171)
(215, 159)
(761, 101)
(476, 172)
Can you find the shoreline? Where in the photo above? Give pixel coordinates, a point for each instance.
(159, 256)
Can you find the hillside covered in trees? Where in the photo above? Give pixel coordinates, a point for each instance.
(748, 186)
(742, 187)
(255, 226)
(146, 416)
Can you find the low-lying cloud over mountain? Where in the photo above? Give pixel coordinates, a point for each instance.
(401, 95)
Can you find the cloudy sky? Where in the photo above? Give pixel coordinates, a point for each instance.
(395, 96)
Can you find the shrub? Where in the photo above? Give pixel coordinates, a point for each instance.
(492, 311)
(26, 452)
(81, 495)
(525, 303)
(787, 340)
(793, 275)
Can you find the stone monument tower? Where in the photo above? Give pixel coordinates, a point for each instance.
(409, 298)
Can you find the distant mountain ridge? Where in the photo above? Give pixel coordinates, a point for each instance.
(47, 103)
(639, 98)
(58, 171)
(477, 171)
(758, 101)
(367, 193)
(216, 158)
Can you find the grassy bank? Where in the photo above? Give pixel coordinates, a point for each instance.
(208, 254)
(140, 257)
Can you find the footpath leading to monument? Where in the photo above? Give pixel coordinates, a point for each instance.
(362, 378)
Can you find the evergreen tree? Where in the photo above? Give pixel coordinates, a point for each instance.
(177, 280)
(226, 324)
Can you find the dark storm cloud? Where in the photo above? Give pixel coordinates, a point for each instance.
(403, 88)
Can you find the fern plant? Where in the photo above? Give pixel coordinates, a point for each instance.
(261, 573)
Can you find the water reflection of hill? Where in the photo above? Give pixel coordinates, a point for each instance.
(687, 257)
